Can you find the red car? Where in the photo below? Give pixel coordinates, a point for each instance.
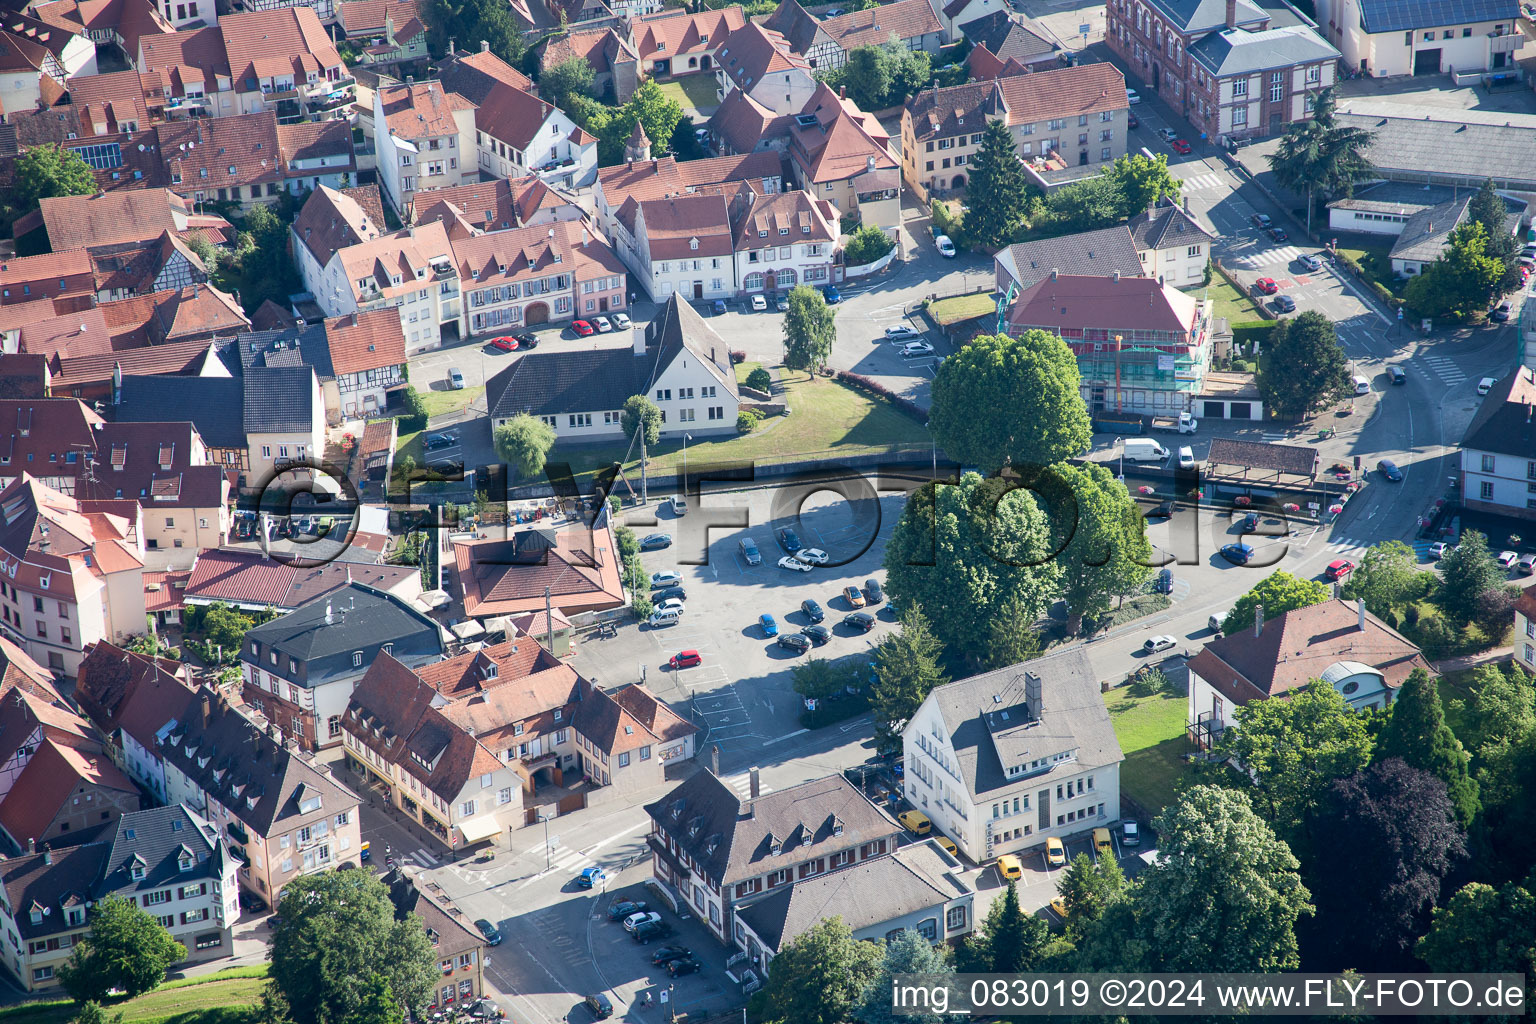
(582, 328)
(505, 344)
(1266, 285)
(1132, 122)
(1180, 147)
(685, 659)
(1339, 569)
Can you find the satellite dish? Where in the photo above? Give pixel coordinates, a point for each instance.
(141, 147)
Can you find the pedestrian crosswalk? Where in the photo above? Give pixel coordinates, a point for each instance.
(742, 784)
(1274, 438)
(1267, 258)
(1202, 182)
(1348, 545)
(1444, 368)
(563, 858)
(422, 858)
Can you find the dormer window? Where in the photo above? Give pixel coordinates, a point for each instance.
(837, 826)
(186, 862)
(693, 243)
(37, 914)
(137, 871)
(774, 845)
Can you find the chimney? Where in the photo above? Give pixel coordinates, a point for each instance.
(1231, 13)
(1360, 614)
(47, 856)
(410, 79)
(1186, 204)
(757, 782)
(639, 340)
(327, 613)
(1258, 620)
(1034, 696)
(485, 47)
(1117, 277)
(842, 92)
(714, 760)
(31, 846)
(207, 709)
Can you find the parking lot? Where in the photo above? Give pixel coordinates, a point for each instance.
(1037, 886)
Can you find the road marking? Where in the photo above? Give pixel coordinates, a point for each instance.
(1268, 257)
(426, 858)
(1203, 182)
(742, 784)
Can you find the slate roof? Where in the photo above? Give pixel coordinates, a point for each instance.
(214, 405)
(1240, 52)
(353, 617)
(157, 838)
(1503, 424)
(1195, 16)
(864, 894)
(280, 400)
(1095, 253)
(1410, 148)
(711, 822)
(1284, 458)
(1298, 646)
(449, 928)
(989, 734)
(1007, 39)
(1165, 226)
(799, 27)
(1427, 232)
(53, 880)
(1407, 15)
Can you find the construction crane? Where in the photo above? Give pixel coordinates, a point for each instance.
(1003, 302)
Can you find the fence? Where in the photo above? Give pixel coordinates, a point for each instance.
(870, 268)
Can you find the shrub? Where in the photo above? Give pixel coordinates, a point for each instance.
(1253, 330)
(415, 416)
(830, 711)
(760, 380)
(1350, 264)
(874, 387)
(629, 545)
(867, 245)
(738, 356)
(747, 421)
(1385, 295)
(643, 606)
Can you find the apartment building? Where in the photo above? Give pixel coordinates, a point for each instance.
(1002, 761)
(1498, 450)
(839, 153)
(675, 42)
(534, 275)
(43, 900)
(425, 136)
(655, 179)
(284, 422)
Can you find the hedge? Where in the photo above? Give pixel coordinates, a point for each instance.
(874, 387)
(1253, 330)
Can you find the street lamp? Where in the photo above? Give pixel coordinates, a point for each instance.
(686, 438)
(1120, 443)
(545, 819)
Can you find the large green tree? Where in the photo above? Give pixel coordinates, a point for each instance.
(1467, 572)
(1008, 942)
(998, 191)
(48, 172)
(1141, 182)
(337, 932)
(962, 551)
(1303, 367)
(1085, 204)
(1500, 711)
(868, 75)
(808, 329)
(1017, 402)
(1460, 282)
(1102, 534)
(648, 106)
(820, 975)
(638, 416)
(266, 272)
(1401, 832)
(1011, 636)
(1416, 732)
(906, 669)
(1088, 887)
(524, 442)
(1320, 156)
(1277, 593)
(573, 76)
(126, 949)
(1288, 752)
(1224, 894)
(1387, 578)
(1489, 209)
(467, 22)
(1483, 929)
(907, 953)
(819, 679)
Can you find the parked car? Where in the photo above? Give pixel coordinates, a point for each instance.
(666, 578)
(252, 903)
(1485, 385)
(817, 634)
(635, 920)
(455, 379)
(854, 596)
(1508, 558)
(813, 556)
(915, 821)
(671, 604)
(788, 540)
(1103, 845)
(1278, 235)
(591, 878)
(945, 246)
(916, 350)
(1181, 146)
(770, 627)
(717, 307)
(861, 621)
(1164, 583)
(1339, 568)
(1262, 221)
(794, 642)
(666, 953)
(685, 659)
(600, 1006)
(1250, 523)
(492, 935)
(901, 331)
(655, 541)
(1130, 834)
(1237, 554)
(621, 321)
(1162, 510)
(1389, 469)
(669, 593)
(1528, 564)
(620, 909)
(1132, 95)
(437, 441)
(872, 592)
(1055, 852)
(1500, 313)
(603, 324)
(683, 965)
(1438, 550)
(1266, 285)
(1310, 261)
(791, 562)
(1167, 134)
(812, 610)
(1283, 304)
(582, 328)
(831, 294)
(651, 930)
(505, 344)
(1159, 643)
(781, 304)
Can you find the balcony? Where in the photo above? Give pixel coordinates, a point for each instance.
(1509, 42)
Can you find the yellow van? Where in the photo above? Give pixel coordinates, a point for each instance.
(1009, 867)
(947, 845)
(1102, 843)
(1055, 853)
(916, 821)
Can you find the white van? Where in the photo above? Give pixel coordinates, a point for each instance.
(679, 505)
(1215, 622)
(1144, 449)
(665, 616)
(1186, 457)
(1362, 385)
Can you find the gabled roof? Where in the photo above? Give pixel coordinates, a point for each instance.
(55, 774)
(1165, 226)
(800, 29)
(742, 122)
(1193, 17)
(602, 48)
(507, 104)
(421, 110)
(1097, 253)
(1504, 421)
(1007, 39)
(629, 718)
(371, 340)
(751, 53)
(368, 17)
(496, 205)
(19, 672)
(332, 220)
(685, 225)
(1020, 99)
(577, 564)
(111, 218)
(833, 140)
(1298, 646)
(875, 26)
(864, 894)
(258, 44)
(1408, 15)
(757, 221)
(447, 925)
(652, 179)
(727, 843)
(312, 140)
(48, 881)
(668, 33)
(353, 617)
(280, 400)
(109, 675)
(222, 151)
(248, 579)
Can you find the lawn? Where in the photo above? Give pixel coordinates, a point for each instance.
(744, 370)
(961, 307)
(693, 92)
(224, 998)
(1231, 303)
(1151, 734)
(1377, 264)
(826, 420)
(440, 402)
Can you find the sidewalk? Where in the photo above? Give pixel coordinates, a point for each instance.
(1466, 661)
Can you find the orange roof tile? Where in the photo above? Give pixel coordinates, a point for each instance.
(366, 341)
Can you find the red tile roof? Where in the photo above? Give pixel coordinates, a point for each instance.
(50, 779)
(366, 18)
(874, 26)
(163, 590)
(19, 671)
(602, 48)
(366, 341)
(668, 33)
(112, 218)
(311, 140)
(495, 205)
(203, 154)
(293, 36)
(66, 272)
(841, 143)
(421, 110)
(686, 225)
(501, 577)
(332, 220)
(652, 179)
(249, 579)
(117, 102)
(1075, 303)
(752, 52)
(66, 337)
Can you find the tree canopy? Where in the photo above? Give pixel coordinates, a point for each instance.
(48, 172)
(1461, 281)
(881, 76)
(1224, 894)
(1467, 572)
(648, 106)
(1008, 942)
(1489, 209)
(961, 552)
(907, 953)
(524, 442)
(1321, 156)
(998, 190)
(1277, 593)
(1141, 182)
(336, 938)
(866, 245)
(1417, 734)
(125, 949)
(1102, 534)
(1485, 929)
(1002, 401)
(1011, 636)
(808, 329)
(1088, 887)
(573, 76)
(640, 414)
(820, 975)
(1388, 576)
(464, 20)
(906, 670)
(1303, 366)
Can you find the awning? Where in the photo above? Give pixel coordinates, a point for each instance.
(479, 828)
(467, 629)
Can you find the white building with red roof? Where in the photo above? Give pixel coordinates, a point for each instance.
(533, 275)
(760, 63)
(425, 137)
